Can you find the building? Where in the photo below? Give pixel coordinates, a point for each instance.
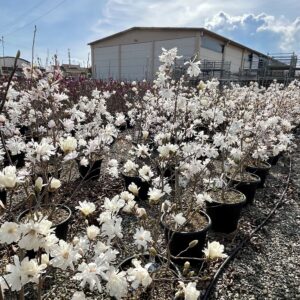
(7, 65)
(74, 71)
(133, 54)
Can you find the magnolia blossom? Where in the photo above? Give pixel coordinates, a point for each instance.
(130, 167)
(214, 250)
(86, 208)
(78, 296)
(145, 173)
(113, 205)
(179, 219)
(202, 198)
(54, 184)
(68, 145)
(138, 275)
(189, 291)
(64, 255)
(22, 273)
(89, 274)
(141, 238)
(134, 189)
(193, 69)
(117, 285)
(8, 177)
(92, 232)
(155, 195)
(9, 233)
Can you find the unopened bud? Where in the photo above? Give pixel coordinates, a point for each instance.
(152, 251)
(38, 184)
(191, 274)
(193, 243)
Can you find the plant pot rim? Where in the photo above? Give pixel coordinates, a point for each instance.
(188, 232)
(266, 167)
(63, 206)
(244, 181)
(244, 199)
(130, 258)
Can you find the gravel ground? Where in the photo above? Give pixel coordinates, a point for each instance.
(268, 267)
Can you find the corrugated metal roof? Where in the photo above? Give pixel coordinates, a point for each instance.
(204, 30)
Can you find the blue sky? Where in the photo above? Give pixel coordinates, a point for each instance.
(267, 26)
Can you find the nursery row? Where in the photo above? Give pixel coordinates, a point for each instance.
(188, 160)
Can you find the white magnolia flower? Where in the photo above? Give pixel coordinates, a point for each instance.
(193, 69)
(202, 198)
(78, 296)
(84, 162)
(44, 150)
(38, 184)
(190, 292)
(130, 167)
(141, 238)
(117, 285)
(86, 208)
(113, 205)
(64, 255)
(8, 177)
(68, 145)
(214, 250)
(9, 233)
(54, 184)
(134, 189)
(179, 219)
(112, 227)
(92, 232)
(89, 274)
(112, 168)
(51, 124)
(155, 195)
(138, 275)
(145, 173)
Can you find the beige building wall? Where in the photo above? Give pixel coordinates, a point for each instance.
(234, 55)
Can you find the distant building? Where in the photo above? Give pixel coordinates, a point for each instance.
(74, 71)
(133, 55)
(7, 64)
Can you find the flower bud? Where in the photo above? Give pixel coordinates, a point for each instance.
(193, 243)
(54, 184)
(38, 184)
(92, 232)
(152, 251)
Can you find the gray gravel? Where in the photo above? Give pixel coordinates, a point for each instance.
(268, 267)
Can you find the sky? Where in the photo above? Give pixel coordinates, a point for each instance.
(264, 25)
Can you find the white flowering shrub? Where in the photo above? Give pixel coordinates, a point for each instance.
(185, 140)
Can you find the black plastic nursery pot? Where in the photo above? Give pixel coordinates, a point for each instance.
(17, 160)
(91, 171)
(179, 241)
(152, 264)
(143, 185)
(60, 229)
(273, 160)
(3, 196)
(225, 216)
(261, 171)
(248, 188)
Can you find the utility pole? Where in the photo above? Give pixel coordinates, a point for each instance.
(2, 40)
(69, 55)
(88, 60)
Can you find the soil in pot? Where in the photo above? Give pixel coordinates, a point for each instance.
(262, 170)
(225, 212)
(143, 185)
(163, 286)
(246, 183)
(178, 241)
(91, 171)
(60, 218)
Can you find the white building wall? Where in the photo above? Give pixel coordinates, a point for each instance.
(136, 61)
(106, 62)
(185, 48)
(234, 55)
(207, 54)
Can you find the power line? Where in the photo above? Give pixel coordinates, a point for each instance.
(24, 14)
(36, 19)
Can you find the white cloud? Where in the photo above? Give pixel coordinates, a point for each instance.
(287, 32)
